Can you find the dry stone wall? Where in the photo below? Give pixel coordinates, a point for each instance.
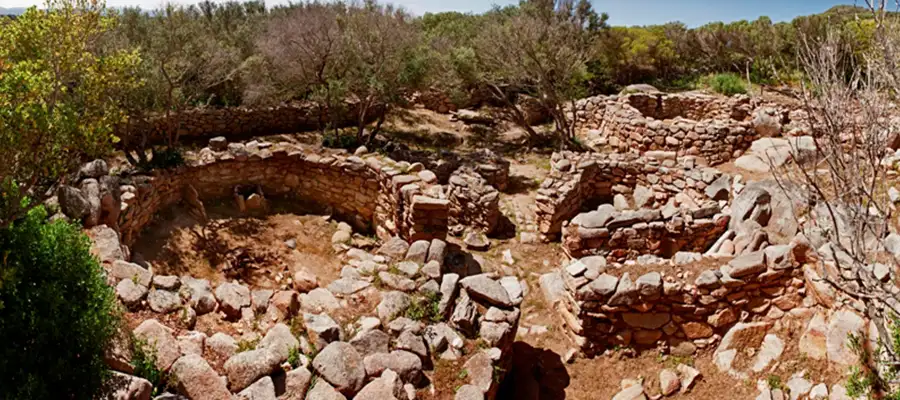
(239, 122)
(604, 307)
(368, 192)
(715, 128)
(581, 181)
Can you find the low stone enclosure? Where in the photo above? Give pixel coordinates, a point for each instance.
(718, 129)
(677, 204)
(603, 307)
(292, 334)
(370, 192)
(305, 338)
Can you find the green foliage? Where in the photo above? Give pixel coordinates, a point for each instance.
(58, 96)
(294, 357)
(57, 312)
(425, 308)
(727, 84)
(168, 157)
(247, 344)
(143, 359)
(338, 140)
(774, 382)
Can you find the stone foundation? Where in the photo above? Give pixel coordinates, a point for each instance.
(603, 307)
(632, 233)
(715, 128)
(581, 181)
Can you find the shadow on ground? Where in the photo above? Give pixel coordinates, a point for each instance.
(536, 374)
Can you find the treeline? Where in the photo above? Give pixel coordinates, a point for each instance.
(243, 53)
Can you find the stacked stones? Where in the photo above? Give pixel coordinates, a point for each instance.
(714, 128)
(395, 198)
(631, 233)
(492, 167)
(473, 202)
(436, 101)
(655, 179)
(242, 122)
(94, 198)
(603, 307)
(367, 358)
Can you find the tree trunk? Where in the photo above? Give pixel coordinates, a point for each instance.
(381, 118)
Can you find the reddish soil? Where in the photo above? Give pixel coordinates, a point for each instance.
(231, 246)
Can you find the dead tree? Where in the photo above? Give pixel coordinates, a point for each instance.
(851, 110)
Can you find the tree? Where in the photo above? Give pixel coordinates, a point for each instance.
(58, 98)
(336, 52)
(541, 50)
(191, 56)
(847, 187)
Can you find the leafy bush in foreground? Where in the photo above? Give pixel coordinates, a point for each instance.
(56, 312)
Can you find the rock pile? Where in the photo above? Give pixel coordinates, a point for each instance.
(296, 341)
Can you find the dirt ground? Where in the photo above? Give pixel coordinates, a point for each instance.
(248, 248)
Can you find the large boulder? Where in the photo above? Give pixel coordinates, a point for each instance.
(481, 287)
(232, 297)
(127, 387)
(341, 365)
(73, 203)
(160, 340)
(247, 367)
(404, 363)
(197, 380)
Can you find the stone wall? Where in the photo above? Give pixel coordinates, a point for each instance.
(473, 202)
(604, 307)
(581, 181)
(492, 167)
(632, 233)
(715, 128)
(240, 122)
(367, 192)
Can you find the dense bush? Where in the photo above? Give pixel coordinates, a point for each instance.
(727, 84)
(56, 312)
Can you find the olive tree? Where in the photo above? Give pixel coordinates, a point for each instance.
(540, 49)
(335, 53)
(58, 98)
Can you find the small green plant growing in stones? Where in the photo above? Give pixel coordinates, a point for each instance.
(247, 345)
(425, 308)
(498, 373)
(294, 357)
(463, 374)
(144, 362)
(774, 382)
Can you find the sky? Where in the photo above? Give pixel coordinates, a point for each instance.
(621, 12)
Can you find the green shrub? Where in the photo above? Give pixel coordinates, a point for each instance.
(56, 312)
(727, 84)
(425, 308)
(169, 157)
(340, 141)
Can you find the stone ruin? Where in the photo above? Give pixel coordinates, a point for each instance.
(605, 307)
(676, 205)
(717, 129)
(370, 192)
(368, 357)
(372, 356)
